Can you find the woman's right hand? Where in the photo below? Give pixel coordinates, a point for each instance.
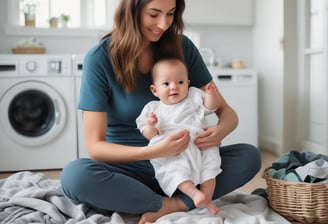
(173, 145)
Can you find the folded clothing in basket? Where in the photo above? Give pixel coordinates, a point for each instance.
(299, 166)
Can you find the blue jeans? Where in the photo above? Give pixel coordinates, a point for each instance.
(132, 187)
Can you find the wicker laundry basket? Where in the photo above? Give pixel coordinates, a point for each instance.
(301, 202)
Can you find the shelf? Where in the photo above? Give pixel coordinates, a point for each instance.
(63, 32)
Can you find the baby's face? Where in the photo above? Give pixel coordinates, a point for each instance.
(170, 83)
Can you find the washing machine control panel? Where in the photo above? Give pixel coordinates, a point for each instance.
(78, 64)
(8, 67)
(48, 65)
(54, 66)
(31, 66)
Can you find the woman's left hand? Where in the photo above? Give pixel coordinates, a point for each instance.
(208, 138)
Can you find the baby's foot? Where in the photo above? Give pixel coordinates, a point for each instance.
(212, 208)
(198, 197)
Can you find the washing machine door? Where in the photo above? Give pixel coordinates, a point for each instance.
(32, 113)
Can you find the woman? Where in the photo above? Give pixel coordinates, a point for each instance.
(115, 87)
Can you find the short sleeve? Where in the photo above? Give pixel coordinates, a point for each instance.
(197, 96)
(141, 120)
(95, 88)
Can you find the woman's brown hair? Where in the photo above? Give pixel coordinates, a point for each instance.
(126, 44)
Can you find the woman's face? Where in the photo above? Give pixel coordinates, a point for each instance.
(156, 17)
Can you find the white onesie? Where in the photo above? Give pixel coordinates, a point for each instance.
(193, 164)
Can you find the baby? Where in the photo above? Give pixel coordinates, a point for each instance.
(182, 107)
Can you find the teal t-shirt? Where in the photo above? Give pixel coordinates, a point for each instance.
(101, 92)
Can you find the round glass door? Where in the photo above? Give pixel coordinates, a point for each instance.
(32, 113)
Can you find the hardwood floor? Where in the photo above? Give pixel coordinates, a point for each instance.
(52, 174)
(256, 182)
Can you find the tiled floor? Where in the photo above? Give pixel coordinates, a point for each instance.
(256, 182)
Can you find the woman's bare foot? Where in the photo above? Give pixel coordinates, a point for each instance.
(169, 205)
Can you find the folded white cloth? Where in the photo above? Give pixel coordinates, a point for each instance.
(317, 168)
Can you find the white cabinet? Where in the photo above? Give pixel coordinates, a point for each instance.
(239, 88)
(219, 12)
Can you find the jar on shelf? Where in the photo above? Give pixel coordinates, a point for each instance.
(29, 15)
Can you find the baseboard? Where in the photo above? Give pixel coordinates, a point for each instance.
(269, 145)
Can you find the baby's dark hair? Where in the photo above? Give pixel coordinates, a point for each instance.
(172, 59)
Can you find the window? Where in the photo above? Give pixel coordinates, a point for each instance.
(95, 14)
(313, 70)
(314, 24)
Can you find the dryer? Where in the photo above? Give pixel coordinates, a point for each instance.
(77, 74)
(239, 88)
(37, 116)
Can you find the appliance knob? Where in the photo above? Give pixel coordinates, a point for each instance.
(30, 66)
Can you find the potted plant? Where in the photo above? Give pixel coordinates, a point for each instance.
(53, 22)
(65, 19)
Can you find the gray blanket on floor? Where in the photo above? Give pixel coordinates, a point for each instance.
(27, 197)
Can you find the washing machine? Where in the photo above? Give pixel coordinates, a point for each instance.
(239, 87)
(77, 74)
(37, 116)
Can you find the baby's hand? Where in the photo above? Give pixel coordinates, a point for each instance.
(152, 119)
(211, 88)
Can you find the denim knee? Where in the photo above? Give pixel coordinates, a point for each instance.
(74, 176)
(253, 158)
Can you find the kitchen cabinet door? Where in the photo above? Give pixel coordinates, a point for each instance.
(219, 12)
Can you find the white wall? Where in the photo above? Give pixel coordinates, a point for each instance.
(276, 58)
(258, 45)
(268, 60)
(229, 42)
(291, 77)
